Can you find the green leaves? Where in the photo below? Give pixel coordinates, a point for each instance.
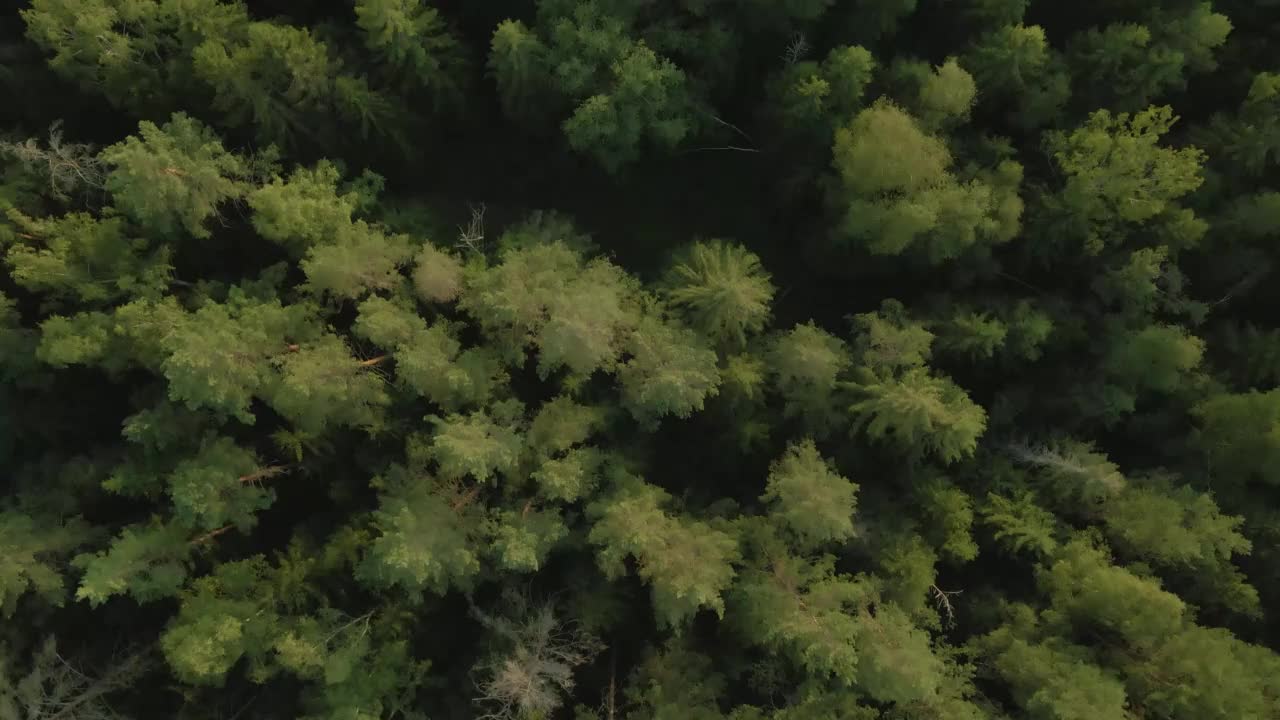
(1117, 173)
(474, 445)
(1239, 434)
(30, 550)
(921, 413)
(814, 501)
(670, 372)
(898, 191)
(721, 290)
(174, 177)
(688, 564)
(148, 562)
(427, 537)
(86, 259)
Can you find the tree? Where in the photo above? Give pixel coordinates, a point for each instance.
(175, 176)
(87, 259)
(414, 40)
(1117, 174)
(806, 363)
(671, 371)
(687, 563)
(1238, 434)
(646, 100)
(721, 290)
(426, 536)
(1016, 66)
(31, 557)
(899, 194)
(815, 502)
(279, 77)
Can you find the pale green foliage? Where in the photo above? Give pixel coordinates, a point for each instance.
(428, 538)
(1173, 526)
(1089, 591)
(1157, 357)
(670, 371)
(687, 563)
(322, 384)
(86, 258)
(921, 413)
(147, 562)
(304, 210)
(356, 260)
(135, 53)
(897, 664)
(908, 568)
(543, 294)
(519, 62)
(899, 192)
(948, 519)
(1072, 473)
(1118, 174)
(814, 501)
(474, 445)
(1016, 64)
(562, 423)
(81, 339)
(585, 320)
(1207, 673)
(224, 616)
(413, 39)
(213, 489)
(721, 289)
(938, 96)
(1055, 680)
(889, 340)
(521, 540)
(219, 356)
(429, 359)
(570, 477)
(1119, 65)
(1021, 524)
(813, 97)
(174, 177)
(806, 611)
(974, 335)
(437, 275)
(674, 682)
(271, 74)
(805, 364)
(1240, 433)
(646, 100)
(31, 552)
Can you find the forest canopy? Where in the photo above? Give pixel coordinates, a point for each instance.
(639, 360)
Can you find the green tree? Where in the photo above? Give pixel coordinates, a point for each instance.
(721, 289)
(815, 502)
(687, 563)
(174, 176)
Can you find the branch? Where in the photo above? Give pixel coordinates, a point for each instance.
(726, 147)
(210, 535)
(733, 127)
(265, 473)
(115, 678)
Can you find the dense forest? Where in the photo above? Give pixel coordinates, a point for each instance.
(639, 359)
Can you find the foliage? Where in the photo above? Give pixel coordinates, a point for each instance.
(634, 360)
